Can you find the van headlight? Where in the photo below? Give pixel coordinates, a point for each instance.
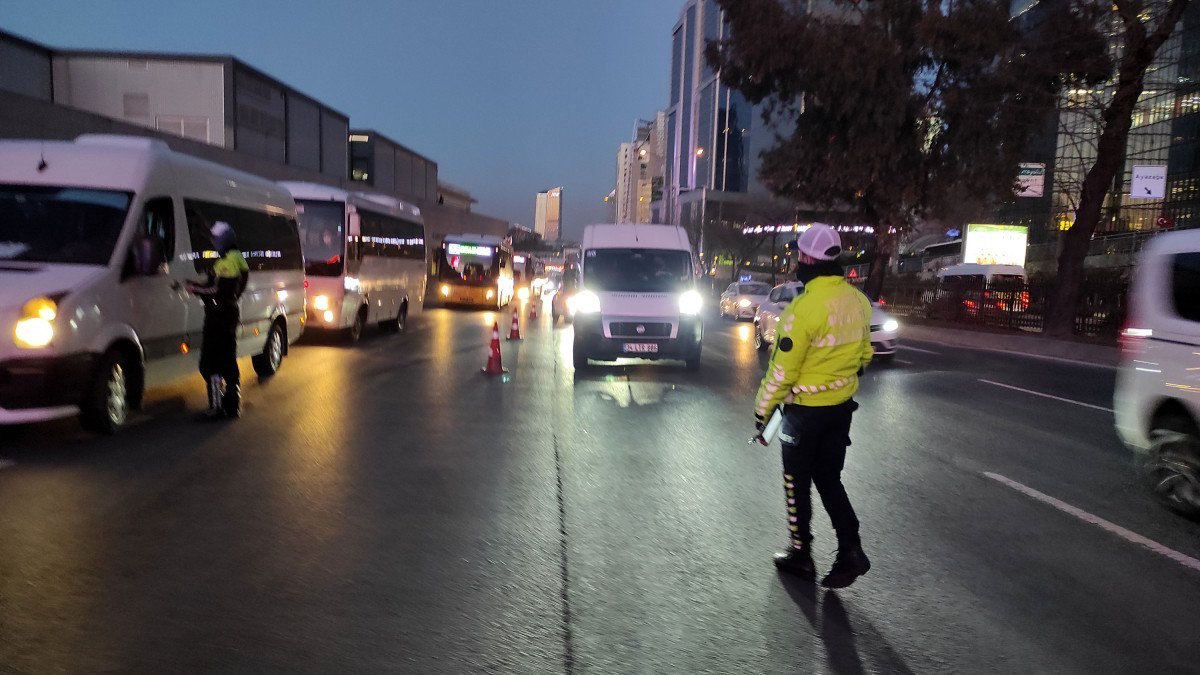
(523, 293)
(321, 303)
(586, 302)
(690, 302)
(35, 328)
(891, 326)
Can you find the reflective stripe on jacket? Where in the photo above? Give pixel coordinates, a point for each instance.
(822, 340)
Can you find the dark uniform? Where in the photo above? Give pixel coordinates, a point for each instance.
(218, 352)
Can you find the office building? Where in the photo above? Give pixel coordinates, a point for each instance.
(547, 214)
(640, 166)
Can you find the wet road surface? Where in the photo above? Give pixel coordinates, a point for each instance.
(386, 507)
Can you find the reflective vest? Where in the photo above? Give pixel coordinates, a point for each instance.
(822, 340)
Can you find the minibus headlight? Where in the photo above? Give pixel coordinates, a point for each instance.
(690, 302)
(321, 303)
(586, 302)
(523, 293)
(35, 328)
(328, 316)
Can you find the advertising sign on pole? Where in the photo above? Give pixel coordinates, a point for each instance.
(995, 244)
(1031, 179)
(1149, 181)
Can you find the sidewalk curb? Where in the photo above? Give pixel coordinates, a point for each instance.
(1036, 347)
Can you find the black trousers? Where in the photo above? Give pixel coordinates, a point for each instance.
(814, 452)
(218, 351)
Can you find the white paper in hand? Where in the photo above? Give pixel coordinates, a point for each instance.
(771, 429)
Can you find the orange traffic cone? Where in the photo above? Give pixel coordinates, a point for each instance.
(494, 366)
(514, 333)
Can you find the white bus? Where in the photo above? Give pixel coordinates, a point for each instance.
(364, 255)
(97, 238)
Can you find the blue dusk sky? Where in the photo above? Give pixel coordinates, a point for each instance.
(507, 97)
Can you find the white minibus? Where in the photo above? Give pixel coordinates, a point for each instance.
(364, 255)
(97, 237)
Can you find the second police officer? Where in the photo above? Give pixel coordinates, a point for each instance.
(218, 353)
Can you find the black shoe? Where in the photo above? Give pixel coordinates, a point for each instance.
(231, 404)
(850, 564)
(797, 561)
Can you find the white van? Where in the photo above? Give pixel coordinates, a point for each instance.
(364, 255)
(1157, 396)
(638, 297)
(97, 238)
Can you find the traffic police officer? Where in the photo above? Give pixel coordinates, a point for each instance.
(218, 352)
(823, 342)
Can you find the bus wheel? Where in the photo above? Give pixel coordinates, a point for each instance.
(267, 363)
(354, 333)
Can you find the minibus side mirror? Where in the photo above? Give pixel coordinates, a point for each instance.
(148, 256)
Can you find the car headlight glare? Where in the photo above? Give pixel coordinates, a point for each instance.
(690, 302)
(321, 303)
(586, 302)
(35, 328)
(891, 326)
(523, 293)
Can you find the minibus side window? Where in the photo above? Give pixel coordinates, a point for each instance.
(158, 220)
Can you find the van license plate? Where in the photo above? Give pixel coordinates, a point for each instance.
(640, 348)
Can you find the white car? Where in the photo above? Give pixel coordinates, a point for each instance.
(884, 328)
(1157, 396)
(741, 299)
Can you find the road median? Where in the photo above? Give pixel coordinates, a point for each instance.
(1024, 344)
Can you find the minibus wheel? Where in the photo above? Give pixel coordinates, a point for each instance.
(1173, 469)
(267, 363)
(107, 404)
(355, 332)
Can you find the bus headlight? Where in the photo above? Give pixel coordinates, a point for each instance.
(523, 293)
(35, 328)
(445, 290)
(690, 302)
(321, 303)
(891, 326)
(586, 302)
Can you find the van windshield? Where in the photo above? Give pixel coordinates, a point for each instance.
(60, 224)
(322, 236)
(637, 270)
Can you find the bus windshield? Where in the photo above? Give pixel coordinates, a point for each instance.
(60, 224)
(323, 236)
(637, 270)
(470, 263)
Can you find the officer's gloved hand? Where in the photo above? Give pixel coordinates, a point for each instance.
(760, 423)
(862, 370)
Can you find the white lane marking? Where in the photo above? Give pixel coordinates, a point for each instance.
(918, 349)
(907, 363)
(6, 464)
(1052, 396)
(1112, 528)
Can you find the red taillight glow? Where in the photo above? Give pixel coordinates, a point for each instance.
(306, 283)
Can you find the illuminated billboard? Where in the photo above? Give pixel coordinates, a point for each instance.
(469, 249)
(995, 244)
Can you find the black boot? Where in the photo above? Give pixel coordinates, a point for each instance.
(797, 561)
(850, 564)
(232, 403)
(214, 411)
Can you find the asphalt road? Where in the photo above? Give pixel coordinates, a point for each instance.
(386, 507)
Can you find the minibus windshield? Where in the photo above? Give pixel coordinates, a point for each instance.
(60, 224)
(637, 270)
(322, 236)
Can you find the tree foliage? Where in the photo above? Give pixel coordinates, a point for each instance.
(892, 111)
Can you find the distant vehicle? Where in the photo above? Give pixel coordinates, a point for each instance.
(885, 329)
(638, 297)
(527, 271)
(1157, 396)
(475, 270)
(364, 255)
(562, 304)
(741, 300)
(97, 238)
(972, 289)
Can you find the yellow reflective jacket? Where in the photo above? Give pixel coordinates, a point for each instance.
(822, 340)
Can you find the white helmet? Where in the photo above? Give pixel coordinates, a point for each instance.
(820, 242)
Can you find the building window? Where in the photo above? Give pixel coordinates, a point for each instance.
(194, 128)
